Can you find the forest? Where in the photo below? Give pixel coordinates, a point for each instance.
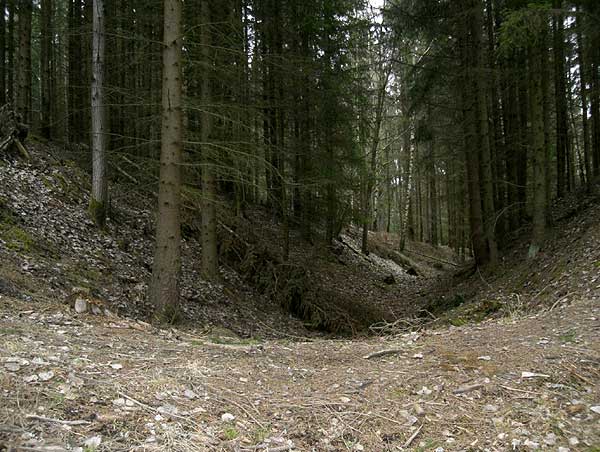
(405, 189)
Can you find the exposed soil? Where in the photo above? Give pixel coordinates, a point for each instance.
(519, 370)
(138, 388)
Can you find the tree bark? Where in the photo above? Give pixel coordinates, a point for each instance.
(583, 92)
(46, 69)
(210, 259)
(3, 52)
(99, 198)
(10, 57)
(561, 105)
(372, 169)
(164, 286)
(24, 61)
(538, 149)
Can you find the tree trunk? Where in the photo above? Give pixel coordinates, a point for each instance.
(561, 105)
(538, 149)
(210, 259)
(76, 79)
(372, 170)
(2, 52)
(164, 287)
(594, 49)
(433, 196)
(487, 179)
(583, 76)
(470, 59)
(99, 198)
(10, 57)
(46, 69)
(404, 205)
(24, 61)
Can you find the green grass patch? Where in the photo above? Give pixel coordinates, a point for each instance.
(16, 239)
(230, 433)
(567, 337)
(226, 340)
(10, 331)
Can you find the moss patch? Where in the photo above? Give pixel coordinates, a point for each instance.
(97, 211)
(16, 239)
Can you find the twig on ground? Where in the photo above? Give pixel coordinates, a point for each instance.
(378, 354)
(266, 448)
(465, 389)
(35, 417)
(412, 437)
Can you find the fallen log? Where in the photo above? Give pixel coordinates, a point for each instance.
(12, 131)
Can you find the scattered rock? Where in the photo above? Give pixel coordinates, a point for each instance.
(93, 442)
(550, 439)
(46, 376)
(227, 417)
(533, 375)
(81, 305)
(189, 394)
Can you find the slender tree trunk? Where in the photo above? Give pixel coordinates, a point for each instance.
(210, 259)
(46, 68)
(372, 171)
(406, 190)
(76, 79)
(164, 286)
(561, 105)
(3, 52)
(99, 199)
(595, 99)
(433, 196)
(523, 147)
(10, 57)
(583, 76)
(538, 149)
(24, 61)
(472, 116)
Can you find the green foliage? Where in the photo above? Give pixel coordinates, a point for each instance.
(569, 336)
(16, 239)
(523, 27)
(170, 315)
(230, 433)
(97, 211)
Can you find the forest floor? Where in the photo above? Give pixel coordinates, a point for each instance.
(514, 367)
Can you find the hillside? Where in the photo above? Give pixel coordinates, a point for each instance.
(513, 367)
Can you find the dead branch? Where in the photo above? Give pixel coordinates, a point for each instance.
(412, 437)
(49, 420)
(380, 353)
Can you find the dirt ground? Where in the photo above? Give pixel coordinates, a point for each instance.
(84, 382)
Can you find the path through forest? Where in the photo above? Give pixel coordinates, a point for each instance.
(522, 384)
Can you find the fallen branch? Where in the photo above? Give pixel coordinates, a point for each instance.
(390, 351)
(35, 417)
(267, 448)
(465, 389)
(412, 437)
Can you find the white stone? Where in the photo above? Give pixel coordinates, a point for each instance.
(227, 417)
(45, 376)
(550, 439)
(93, 442)
(81, 305)
(189, 394)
